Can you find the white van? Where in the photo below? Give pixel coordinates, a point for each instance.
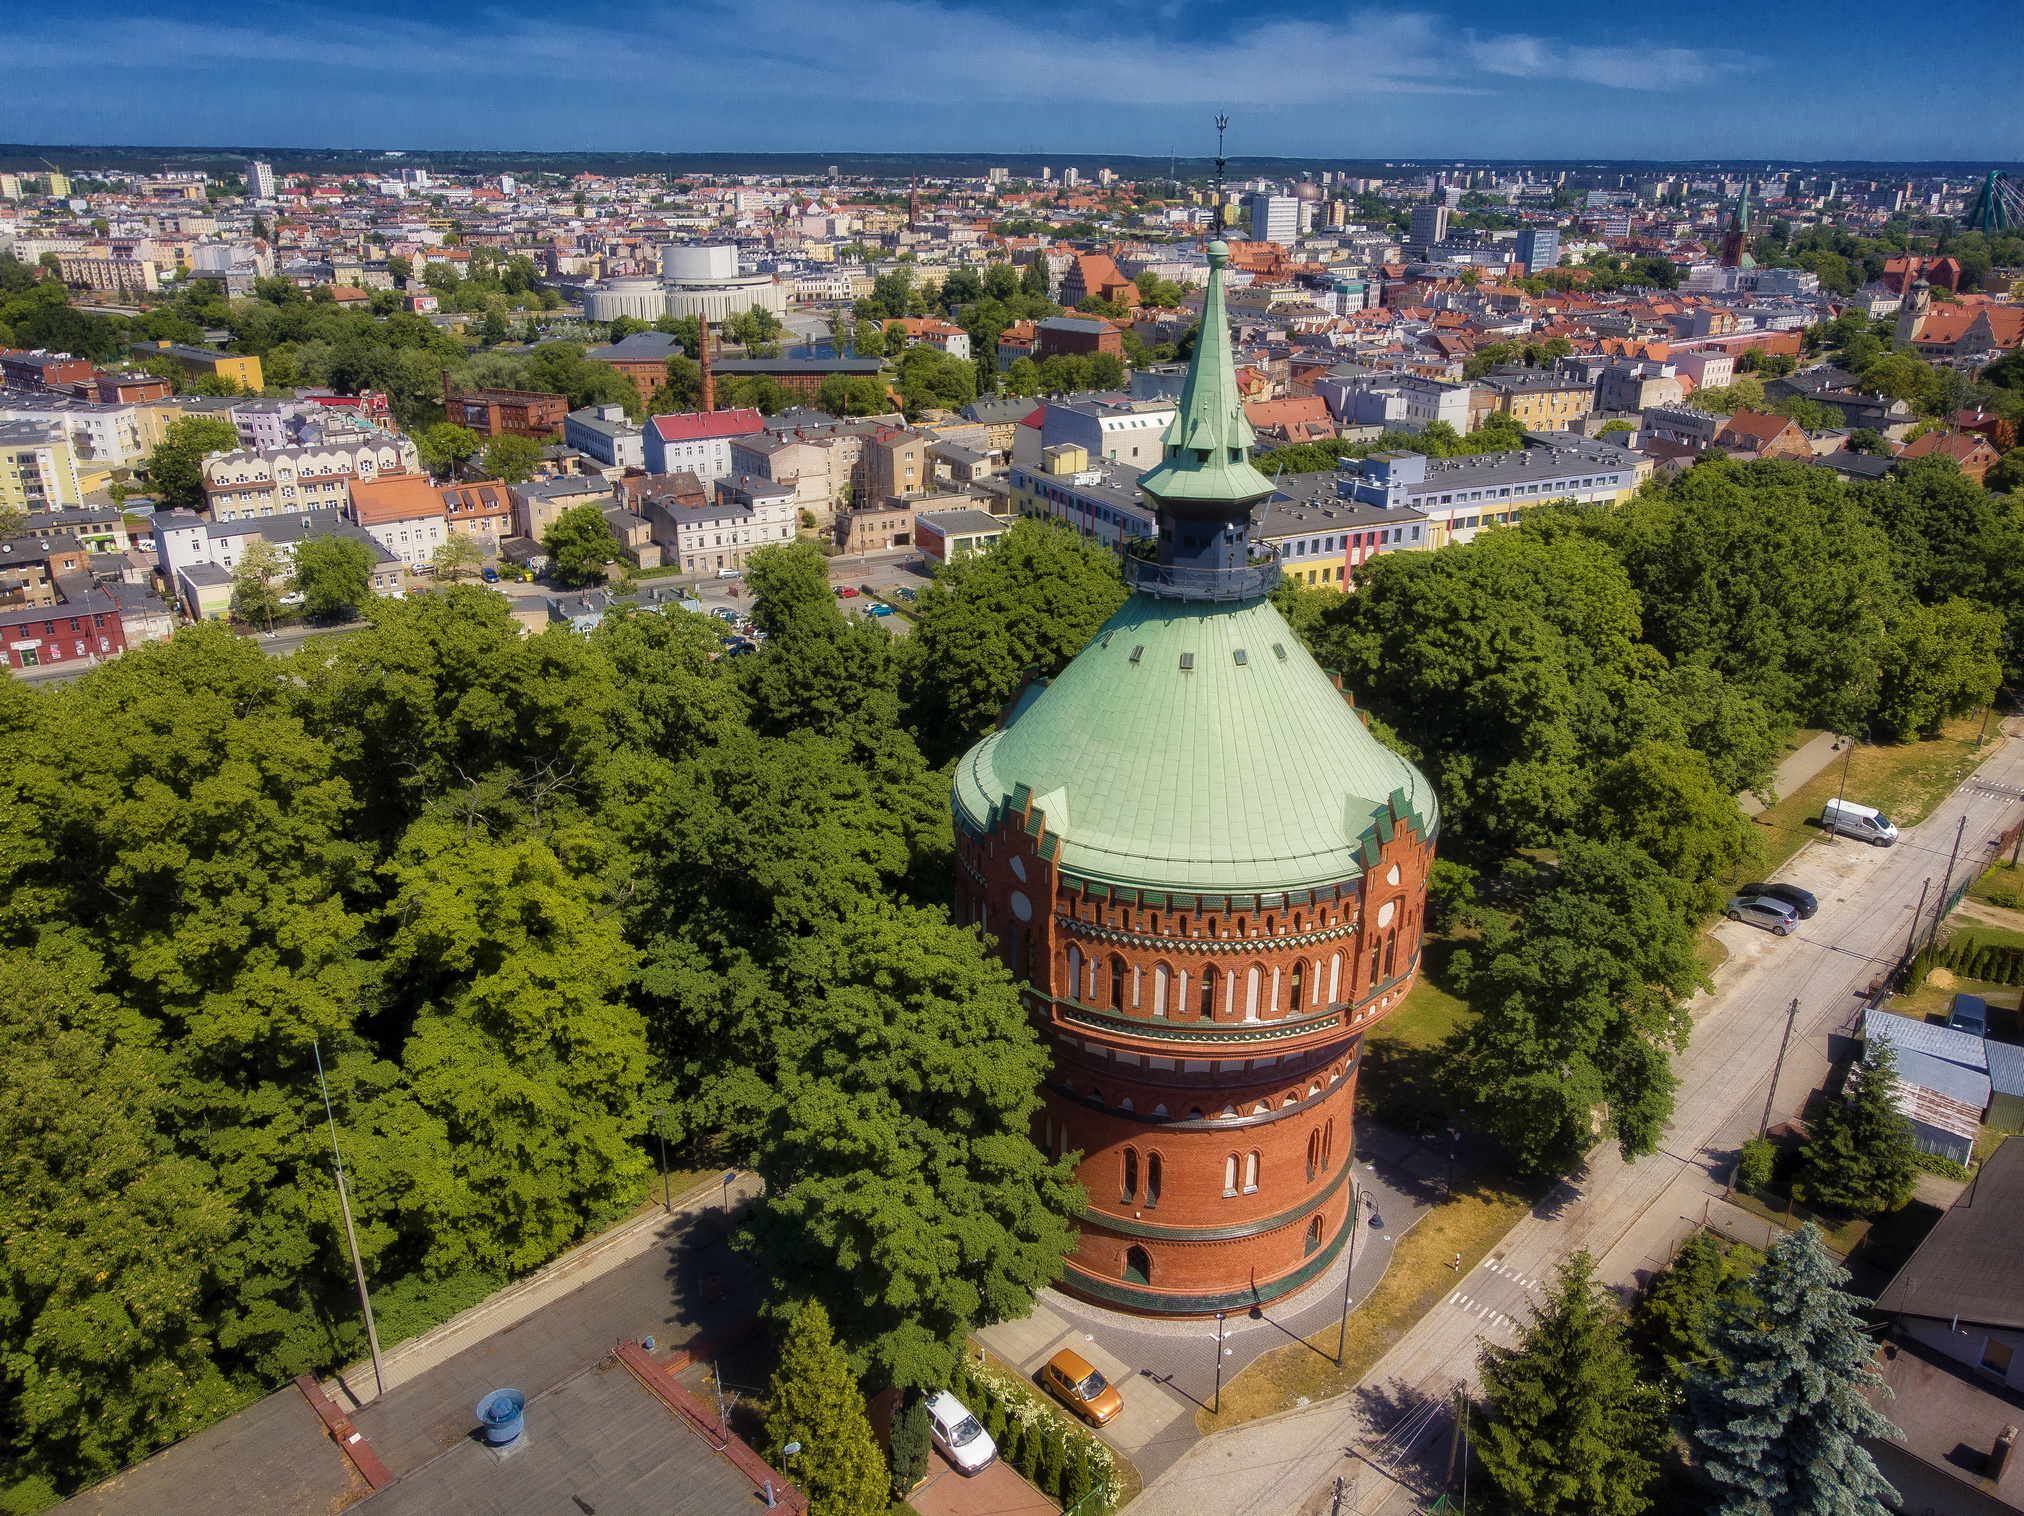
(1852, 820)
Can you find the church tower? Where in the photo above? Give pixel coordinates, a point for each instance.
(1736, 240)
(1912, 312)
(1210, 880)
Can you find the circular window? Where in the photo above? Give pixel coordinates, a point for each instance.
(1023, 908)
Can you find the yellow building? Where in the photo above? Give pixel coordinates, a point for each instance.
(38, 467)
(198, 361)
(1538, 402)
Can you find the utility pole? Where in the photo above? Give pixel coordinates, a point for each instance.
(1455, 1442)
(350, 1234)
(1777, 1068)
(1833, 832)
(1940, 905)
(1924, 890)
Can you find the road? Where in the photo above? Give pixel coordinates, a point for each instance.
(1629, 1215)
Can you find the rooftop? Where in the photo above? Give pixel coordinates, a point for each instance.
(1969, 1265)
(695, 426)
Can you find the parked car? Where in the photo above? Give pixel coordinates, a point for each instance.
(877, 608)
(491, 576)
(724, 613)
(1852, 820)
(730, 573)
(845, 592)
(1800, 900)
(1776, 916)
(906, 592)
(1074, 1381)
(1970, 1014)
(959, 1436)
(740, 648)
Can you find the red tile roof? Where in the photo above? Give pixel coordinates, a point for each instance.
(696, 426)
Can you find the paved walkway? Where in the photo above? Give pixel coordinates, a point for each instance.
(996, 1491)
(1167, 1369)
(1799, 766)
(1388, 1437)
(623, 1245)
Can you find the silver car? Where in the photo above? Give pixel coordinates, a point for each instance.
(958, 1435)
(1777, 916)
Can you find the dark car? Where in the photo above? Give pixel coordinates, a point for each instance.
(1791, 894)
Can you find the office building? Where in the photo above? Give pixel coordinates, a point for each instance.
(1430, 225)
(1275, 218)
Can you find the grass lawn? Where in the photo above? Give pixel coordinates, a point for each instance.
(1482, 1209)
(1904, 780)
(1399, 1082)
(2000, 885)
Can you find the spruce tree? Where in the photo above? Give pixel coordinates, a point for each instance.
(1570, 1425)
(815, 1402)
(910, 1446)
(1673, 1313)
(1781, 1432)
(1860, 1159)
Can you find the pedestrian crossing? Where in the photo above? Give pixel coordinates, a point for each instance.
(1487, 1311)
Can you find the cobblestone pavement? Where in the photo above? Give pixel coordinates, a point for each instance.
(1167, 1368)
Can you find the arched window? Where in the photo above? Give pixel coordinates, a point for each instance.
(1117, 975)
(1251, 994)
(1131, 1175)
(1208, 993)
(1299, 982)
(1048, 1145)
(1314, 1234)
(1125, 1104)
(1181, 995)
(1327, 1142)
(1334, 979)
(1271, 926)
(1212, 926)
(1074, 972)
(1062, 1151)
(1376, 961)
(1159, 989)
(1152, 1180)
(1251, 1172)
(1184, 926)
(1313, 1155)
(1230, 1175)
(1097, 1096)
(1391, 944)
(1138, 1266)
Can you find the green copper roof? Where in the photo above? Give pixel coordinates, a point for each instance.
(1245, 772)
(1208, 445)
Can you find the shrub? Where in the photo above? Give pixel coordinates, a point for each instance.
(1753, 1164)
(910, 1446)
(1077, 1480)
(1030, 1439)
(993, 1412)
(1052, 1458)
(1946, 1168)
(1013, 1444)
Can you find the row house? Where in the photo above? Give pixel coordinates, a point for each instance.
(698, 442)
(196, 557)
(258, 482)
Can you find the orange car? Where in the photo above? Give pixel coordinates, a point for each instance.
(1076, 1384)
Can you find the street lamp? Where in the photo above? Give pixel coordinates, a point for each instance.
(1357, 1201)
(660, 1131)
(1218, 1409)
(1833, 835)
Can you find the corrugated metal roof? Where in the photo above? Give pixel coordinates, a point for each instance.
(2006, 1068)
(1967, 1086)
(1908, 1035)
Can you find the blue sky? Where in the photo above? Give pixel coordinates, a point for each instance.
(1577, 79)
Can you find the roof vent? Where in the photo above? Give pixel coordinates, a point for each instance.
(1138, 652)
(1280, 649)
(1187, 663)
(1240, 655)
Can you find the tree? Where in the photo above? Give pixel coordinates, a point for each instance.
(1023, 377)
(1035, 600)
(445, 445)
(109, 1240)
(852, 395)
(1569, 1424)
(1783, 1428)
(1672, 1318)
(815, 1401)
(176, 466)
(512, 459)
(932, 379)
(910, 1444)
(1579, 1007)
(579, 543)
(256, 597)
(1860, 1159)
(1938, 661)
(1663, 797)
(333, 574)
(1034, 281)
(458, 555)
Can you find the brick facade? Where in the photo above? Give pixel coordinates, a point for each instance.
(1214, 1146)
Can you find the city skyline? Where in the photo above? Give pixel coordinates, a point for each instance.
(932, 75)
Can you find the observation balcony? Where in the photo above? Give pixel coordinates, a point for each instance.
(1171, 582)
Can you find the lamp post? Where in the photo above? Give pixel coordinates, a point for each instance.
(1834, 836)
(1357, 1201)
(1218, 1408)
(667, 1197)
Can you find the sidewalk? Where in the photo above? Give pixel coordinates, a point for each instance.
(1797, 768)
(352, 1388)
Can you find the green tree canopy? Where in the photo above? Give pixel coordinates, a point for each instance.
(579, 543)
(445, 445)
(333, 574)
(1859, 1155)
(1783, 1429)
(852, 395)
(512, 460)
(176, 466)
(1662, 797)
(814, 1401)
(1569, 1425)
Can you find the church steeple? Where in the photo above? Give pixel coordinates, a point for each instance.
(1736, 240)
(1205, 487)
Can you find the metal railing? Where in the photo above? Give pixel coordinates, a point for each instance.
(1172, 582)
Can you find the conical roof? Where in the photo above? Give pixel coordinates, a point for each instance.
(1194, 747)
(1208, 444)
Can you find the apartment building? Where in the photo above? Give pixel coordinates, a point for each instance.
(403, 514)
(198, 362)
(697, 442)
(508, 413)
(38, 466)
(1539, 402)
(196, 557)
(254, 482)
(1458, 497)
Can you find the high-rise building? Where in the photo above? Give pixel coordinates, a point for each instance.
(59, 186)
(1209, 879)
(260, 179)
(508, 184)
(1071, 177)
(1046, 174)
(1539, 248)
(1275, 218)
(1430, 225)
(998, 175)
